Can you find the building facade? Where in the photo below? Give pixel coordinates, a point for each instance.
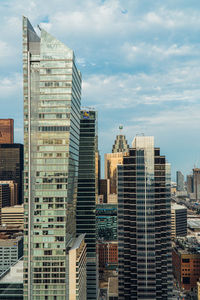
(186, 264)
(179, 181)
(6, 131)
(12, 165)
(196, 183)
(145, 266)
(178, 220)
(11, 250)
(77, 270)
(87, 195)
(52, 94)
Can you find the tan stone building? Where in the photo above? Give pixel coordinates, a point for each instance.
(77, 270)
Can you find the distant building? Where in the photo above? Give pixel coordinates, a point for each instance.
(180, 181)
(13, 188)
(106, 220)
(11, 250)
(4, 195)
(11, 282)
(111, 162)
(189, 184)
(104, 189)
(77, 270)
(108, 254)
(6, 131)
(12, 165)
(120, 144)
(196, 183)
(113, 159)
(13, 215)
(186, 263)
(178, 220)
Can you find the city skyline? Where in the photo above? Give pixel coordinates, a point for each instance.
(139, 63)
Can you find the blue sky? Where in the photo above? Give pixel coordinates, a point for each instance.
(140, 62)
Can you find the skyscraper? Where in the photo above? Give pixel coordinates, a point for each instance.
(179, 181)
(145, 268)
(196, 183)
(52, 94)
(87, 194)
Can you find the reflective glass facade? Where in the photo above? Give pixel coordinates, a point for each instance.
(87, 194)
(52, 93)
(144, 233)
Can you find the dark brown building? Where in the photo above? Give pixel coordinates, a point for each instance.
(108, 254)
(11, 165)
(6, 131)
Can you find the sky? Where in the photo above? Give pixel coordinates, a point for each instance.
(140, 64)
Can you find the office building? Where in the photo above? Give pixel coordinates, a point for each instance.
(144, 231)
(4, 195)
(106, 222)
(178, 220)
(179, 181)
(196, 183)
(52, 94)
(6, 131)
(113, 159)
(13, 191)
(11, 282)
(11, 250)
(13, 215)
(12, 165)
(87, 194)
(104, 189)
(189, 184)
(77, 270)
(108, 254)
(186, 263)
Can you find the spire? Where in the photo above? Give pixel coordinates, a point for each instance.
(120, 144)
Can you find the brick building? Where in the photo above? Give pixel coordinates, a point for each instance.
(186, 264)
(108, 254)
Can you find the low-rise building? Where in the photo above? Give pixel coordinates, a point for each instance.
(186, 263)
(108, 254)
(11, 250)
(11, 282)
(13, 215)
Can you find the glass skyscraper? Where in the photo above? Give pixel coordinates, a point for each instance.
(52, 94)
(144, 229)
(87, 193)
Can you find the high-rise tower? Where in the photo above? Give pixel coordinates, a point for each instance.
(145, 268)
(87, 194)
(52, 93)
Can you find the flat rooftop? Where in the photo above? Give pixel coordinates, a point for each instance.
(178, 206)
(193, 223)
(15, 274)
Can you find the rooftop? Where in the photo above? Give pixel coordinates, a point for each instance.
(14, 274)
(177, 206)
